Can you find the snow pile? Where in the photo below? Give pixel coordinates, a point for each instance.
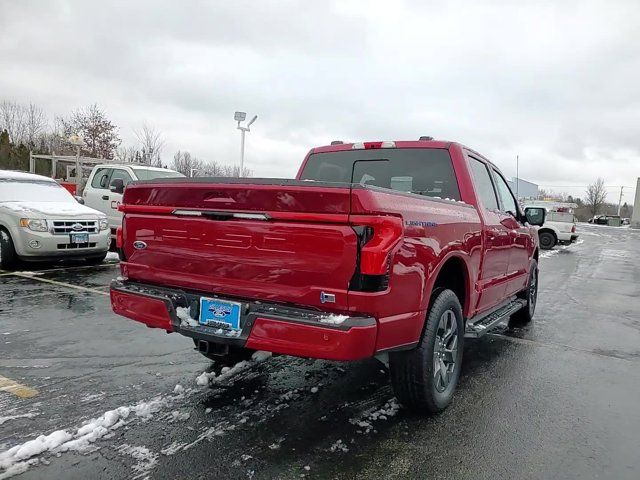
(179, 389)
(366, 419)
(334, 319)
(260, 356)
(146, 459)
(13, 417)
(82, 439)
(207, 378)
(184, 314)
(339, 446)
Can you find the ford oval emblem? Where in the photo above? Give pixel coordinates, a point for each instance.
(139, 245)
(77, 226)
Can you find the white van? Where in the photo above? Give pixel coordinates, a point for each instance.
(106, 183)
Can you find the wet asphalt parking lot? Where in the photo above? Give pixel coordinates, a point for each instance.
(556, 399)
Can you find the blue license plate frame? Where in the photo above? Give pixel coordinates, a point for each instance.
(220, 313)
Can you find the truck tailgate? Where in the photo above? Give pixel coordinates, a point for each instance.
(284, 242)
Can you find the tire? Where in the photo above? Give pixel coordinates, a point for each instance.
(8, 255)
(417, 375)
(234, 356)
(547, 240)
(530, 294)
(97, 259)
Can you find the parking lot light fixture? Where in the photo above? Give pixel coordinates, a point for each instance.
(240, 117)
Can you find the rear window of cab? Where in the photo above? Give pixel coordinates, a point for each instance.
(423, 171)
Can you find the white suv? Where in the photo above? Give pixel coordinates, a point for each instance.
(41, 221)
(106, 184)
(558, 228)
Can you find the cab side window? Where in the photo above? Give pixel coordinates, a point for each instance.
(506, 197)
(101, 178)
(120, 174)
(484, 185)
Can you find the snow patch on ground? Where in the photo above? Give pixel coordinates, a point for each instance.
(365, 419)
(112, 257)
(13, 417)
(146, 460)
(339, 446)
(83, 438)
(334, 319)
(173, 448)
(208, 378)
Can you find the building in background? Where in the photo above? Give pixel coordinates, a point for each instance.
(523, 189)
(635, 216)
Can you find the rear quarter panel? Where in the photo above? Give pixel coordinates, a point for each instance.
(434, 231)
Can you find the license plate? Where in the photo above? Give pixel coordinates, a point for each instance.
(214, 312)
(79, 238)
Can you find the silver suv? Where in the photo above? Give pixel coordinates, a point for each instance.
(41, 221)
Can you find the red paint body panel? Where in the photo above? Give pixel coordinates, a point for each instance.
(150, 311)
(309, 341)
(306, 246)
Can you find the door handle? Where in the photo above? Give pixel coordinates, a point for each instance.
(105, 197)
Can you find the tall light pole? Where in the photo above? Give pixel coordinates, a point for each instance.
(240, 117)
(77, 142)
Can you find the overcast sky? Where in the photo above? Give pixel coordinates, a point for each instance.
(555, 82)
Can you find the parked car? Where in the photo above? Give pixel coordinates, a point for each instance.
(106, 184)
(41, 221)
(611, 220)
(396, 250)
(559, 229)
(626, 221)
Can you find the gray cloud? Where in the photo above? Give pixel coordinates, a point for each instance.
(555, 82)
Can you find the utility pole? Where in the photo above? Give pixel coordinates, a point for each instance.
(518, 177)
(620, 200)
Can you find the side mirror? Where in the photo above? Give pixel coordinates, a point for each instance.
(79, 199)
(117, 185)
(535, 215)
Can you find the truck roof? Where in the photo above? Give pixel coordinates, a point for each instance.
(338, 147)
(133, 165)
(15, 175)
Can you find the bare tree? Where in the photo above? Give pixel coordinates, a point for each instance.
(596, 195)
(215, 169)
(184, 163)
(126, 154)
(35, 124)
(151, 143)
(99, 133)
(12, 119)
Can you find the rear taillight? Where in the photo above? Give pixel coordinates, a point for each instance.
(119, 237)
(573, 229)
(377, 237)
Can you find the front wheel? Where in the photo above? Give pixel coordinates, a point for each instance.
(8, 256)
(530, 295)
(425, 378)
(547, 240)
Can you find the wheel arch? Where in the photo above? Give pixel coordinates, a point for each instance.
(452, 273)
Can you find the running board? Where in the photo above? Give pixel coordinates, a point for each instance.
(478, 326)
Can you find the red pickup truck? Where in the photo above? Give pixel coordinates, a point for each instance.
(396, 250)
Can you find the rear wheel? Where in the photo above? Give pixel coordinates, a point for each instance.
(425, 378)
(547, 240)
(530, 294)
(8, 256)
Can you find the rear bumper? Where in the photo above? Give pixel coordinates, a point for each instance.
(271, 327)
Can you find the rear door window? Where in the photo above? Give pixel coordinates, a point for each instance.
(483, 183)
(101, 178)
(413, 170)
